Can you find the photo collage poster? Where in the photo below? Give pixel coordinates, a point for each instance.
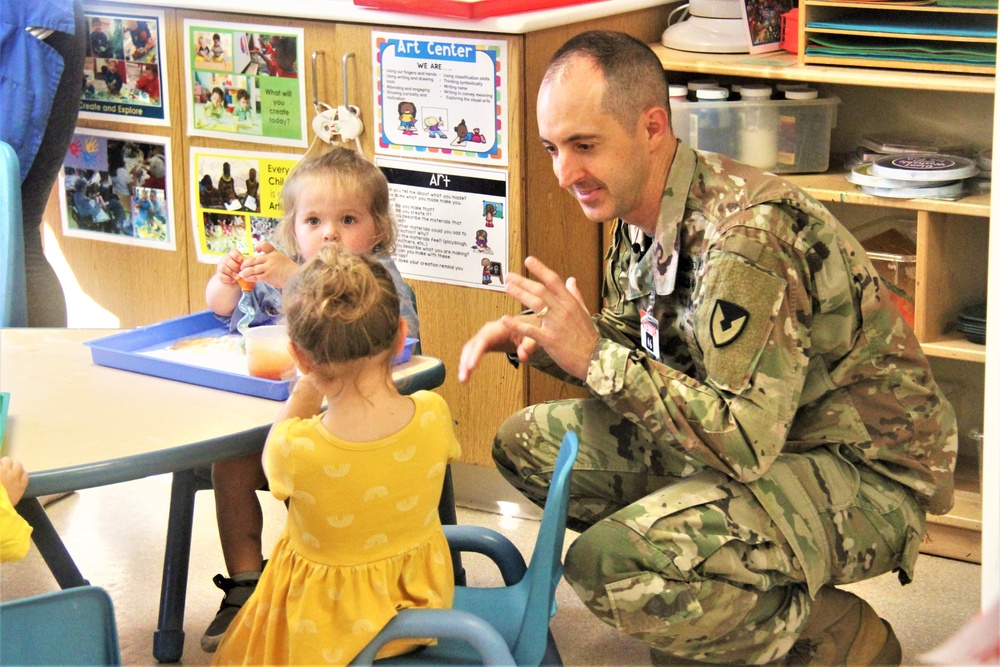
(452, 222)
(441, 97)
(238, 204)
(243, 82)
(124, 69)
(116, 188)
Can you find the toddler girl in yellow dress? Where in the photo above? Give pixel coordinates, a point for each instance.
(362, 480)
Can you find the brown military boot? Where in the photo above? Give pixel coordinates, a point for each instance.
(843, 629)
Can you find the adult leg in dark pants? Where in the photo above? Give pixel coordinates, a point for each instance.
(46, 301)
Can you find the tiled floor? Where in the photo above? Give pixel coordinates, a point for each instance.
(117, 533)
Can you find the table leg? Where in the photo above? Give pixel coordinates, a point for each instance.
(168, 640)
(50, 545)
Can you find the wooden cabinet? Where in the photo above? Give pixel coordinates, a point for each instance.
(141, 287)
(952, 236)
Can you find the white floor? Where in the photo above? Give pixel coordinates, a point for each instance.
(116, 534)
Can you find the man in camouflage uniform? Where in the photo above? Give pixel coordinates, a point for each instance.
(763, 423)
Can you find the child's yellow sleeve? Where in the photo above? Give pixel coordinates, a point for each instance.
(15, 533)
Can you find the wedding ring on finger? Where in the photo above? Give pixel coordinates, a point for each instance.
(543, 312)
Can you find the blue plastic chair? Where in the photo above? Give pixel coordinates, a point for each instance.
(75, 626)
(13, 294)
(505, 625)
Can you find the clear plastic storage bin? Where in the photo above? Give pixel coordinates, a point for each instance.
(793, 134)
(892, 248)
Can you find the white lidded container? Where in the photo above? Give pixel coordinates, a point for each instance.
(759, 133)
(802, 141)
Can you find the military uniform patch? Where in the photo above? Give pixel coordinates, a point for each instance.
(737, 303)
(728, 321)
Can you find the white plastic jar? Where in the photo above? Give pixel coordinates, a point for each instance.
(758, 127)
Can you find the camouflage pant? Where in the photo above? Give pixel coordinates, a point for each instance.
(683, 557)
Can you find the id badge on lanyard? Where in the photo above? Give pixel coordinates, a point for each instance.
(650, 329)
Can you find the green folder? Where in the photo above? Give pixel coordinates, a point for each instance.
(912, 50)
(910, 24)
(972, 4)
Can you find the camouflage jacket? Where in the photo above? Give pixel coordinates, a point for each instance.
(775, 335)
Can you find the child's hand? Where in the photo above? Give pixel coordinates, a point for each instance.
(223, 290)
(270, 265)
(228, 268)
(14, 478)
(305, 400)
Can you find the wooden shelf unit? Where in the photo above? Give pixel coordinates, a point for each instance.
(811, 11)
(784, 66)
(952, 237)
(945, 230)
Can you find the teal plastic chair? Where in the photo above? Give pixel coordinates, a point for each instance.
(505, 625)
(74, 626)
(13, 294)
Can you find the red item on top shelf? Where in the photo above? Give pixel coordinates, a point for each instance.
(466, 9)
(790, 31)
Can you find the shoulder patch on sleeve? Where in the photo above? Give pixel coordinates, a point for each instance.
(737, 305)
(728, 322)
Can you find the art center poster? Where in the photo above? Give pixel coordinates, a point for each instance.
(443, 96)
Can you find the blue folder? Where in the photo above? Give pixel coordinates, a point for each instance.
(913, 24)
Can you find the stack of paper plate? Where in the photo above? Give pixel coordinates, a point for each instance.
(873, 146)
(914, 175)
(972, 323)
(984, 160)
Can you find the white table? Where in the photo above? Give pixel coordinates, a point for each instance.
(76, 425)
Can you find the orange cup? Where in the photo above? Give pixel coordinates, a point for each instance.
(268, 354)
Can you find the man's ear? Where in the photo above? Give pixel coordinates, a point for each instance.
(656, 123)
(300, 357)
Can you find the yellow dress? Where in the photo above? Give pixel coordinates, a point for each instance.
(363, 539)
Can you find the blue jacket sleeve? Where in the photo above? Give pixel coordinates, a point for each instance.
(407, 300)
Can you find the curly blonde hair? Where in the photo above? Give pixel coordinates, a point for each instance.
(340, 307)
(339, 167)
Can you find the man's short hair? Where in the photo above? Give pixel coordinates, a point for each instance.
(633, 74)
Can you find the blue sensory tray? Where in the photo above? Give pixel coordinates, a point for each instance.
(124, 350)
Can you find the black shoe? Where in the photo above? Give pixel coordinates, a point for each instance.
(237, 593)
